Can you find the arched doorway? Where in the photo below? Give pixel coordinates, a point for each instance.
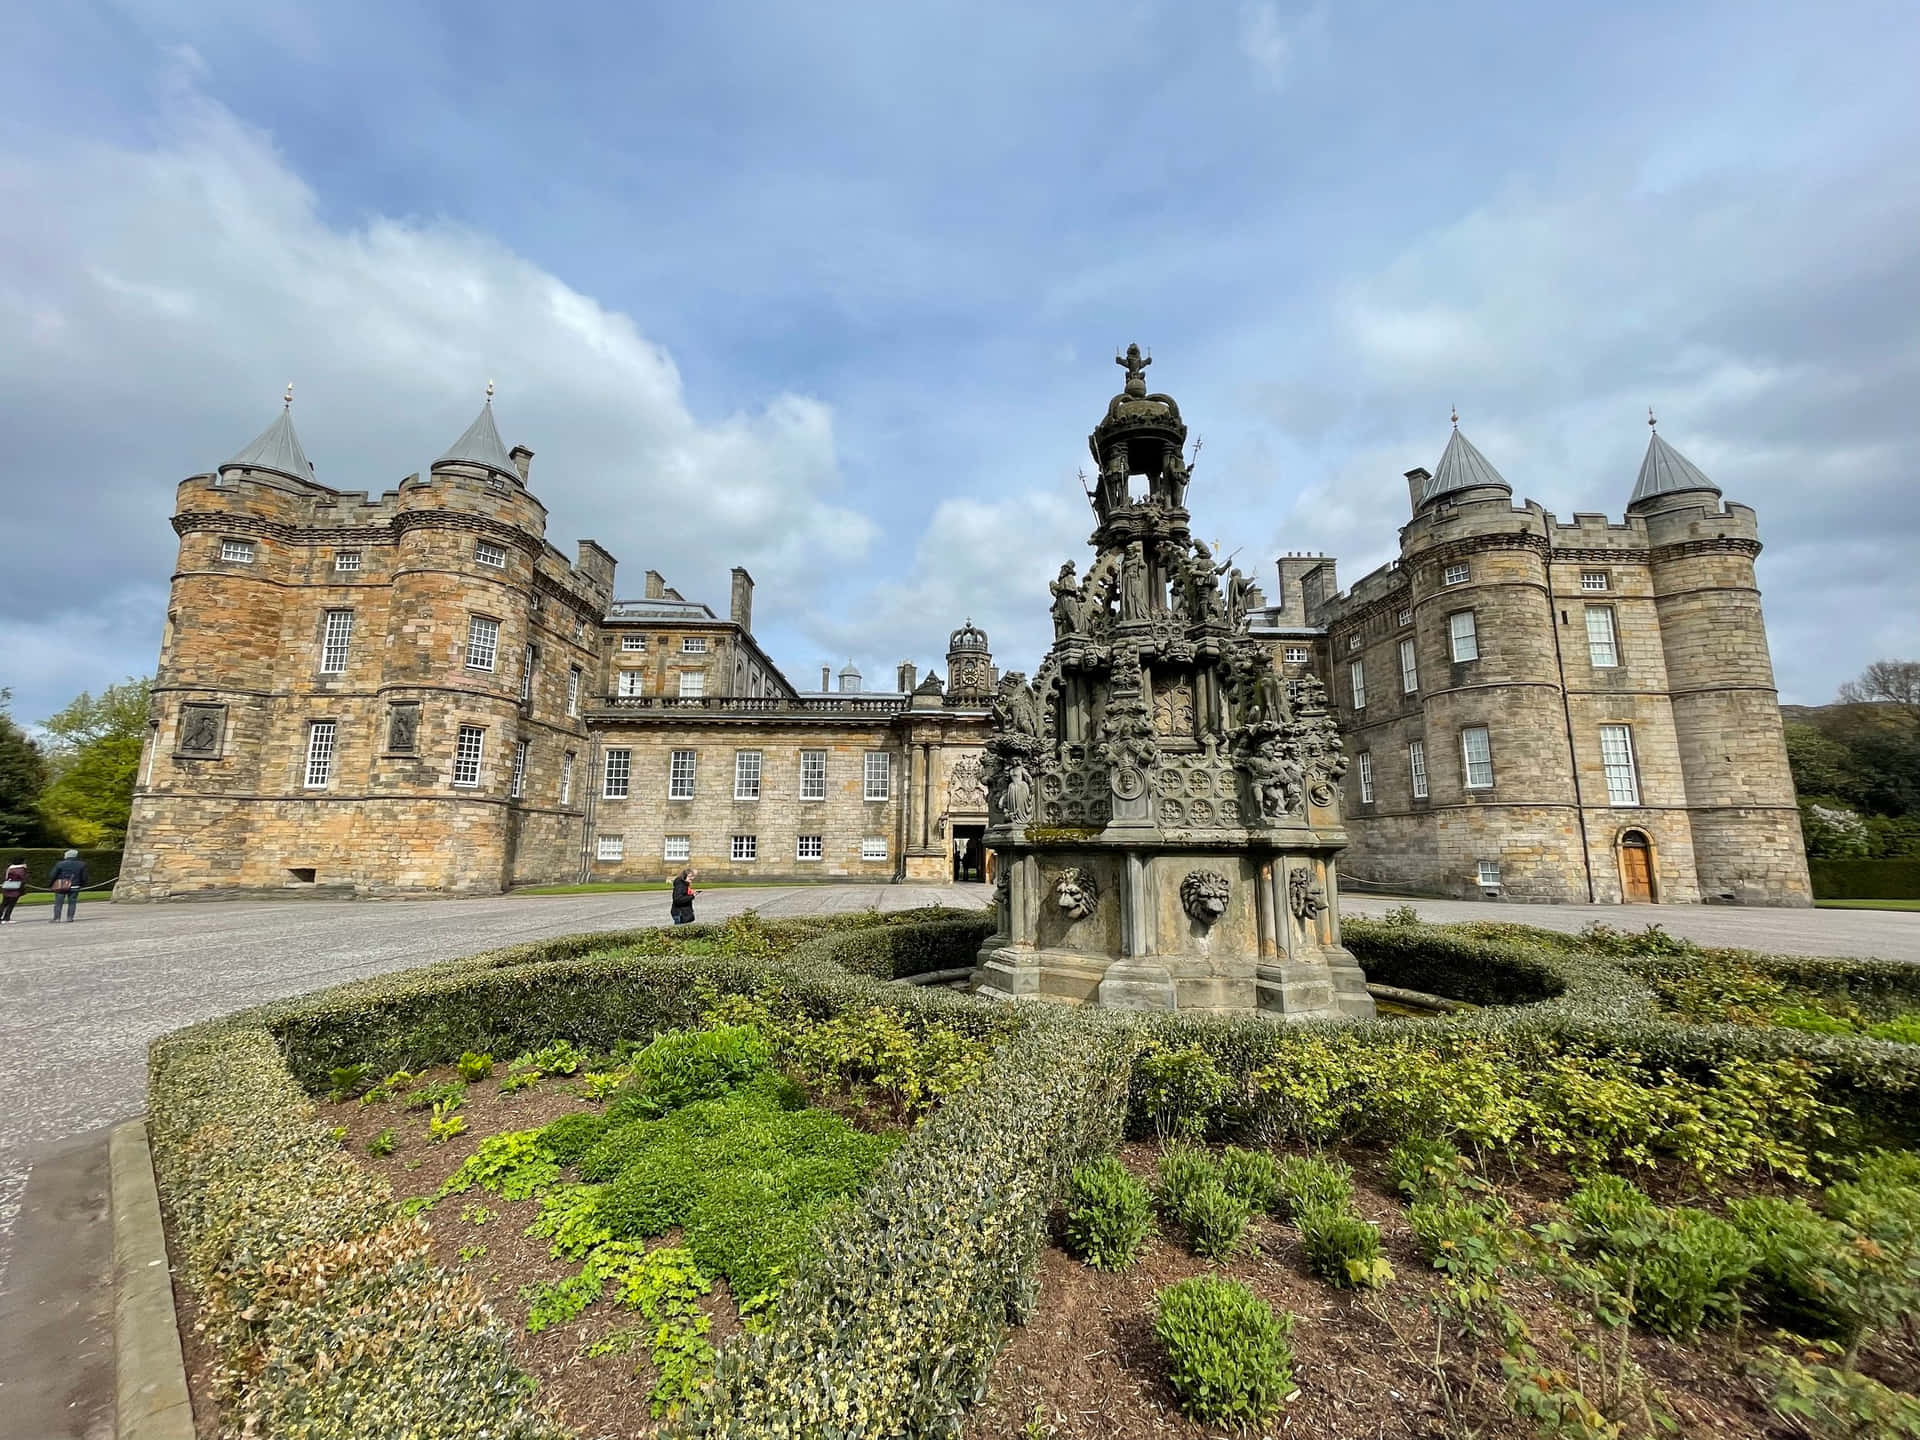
(1636, 869)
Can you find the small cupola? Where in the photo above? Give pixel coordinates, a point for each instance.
(849, 677)
(276, 450)
(1665, 471)
(480, 445)
(1463, 470)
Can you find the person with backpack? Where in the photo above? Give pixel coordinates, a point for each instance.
(683, 897)
(69, 879)
(12, 886)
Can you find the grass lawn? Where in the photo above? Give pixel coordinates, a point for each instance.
(91, 897)
(1868, 904)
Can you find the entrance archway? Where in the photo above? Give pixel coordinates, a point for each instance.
(969, 852)
(1637, 885)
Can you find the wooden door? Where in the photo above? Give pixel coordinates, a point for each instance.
(1636, 867)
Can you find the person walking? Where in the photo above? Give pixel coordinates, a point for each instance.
(12, 886)
(69, 878)
(683, 897)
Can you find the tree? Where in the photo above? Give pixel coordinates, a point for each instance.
(1821, 765)
(96, 757)
(23, 775)
(1885, 681)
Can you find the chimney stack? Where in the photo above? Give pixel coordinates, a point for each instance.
(908, 676)
(656, 585)
(1417, 486)
(741, 610)
(826, 677)
(522, 459)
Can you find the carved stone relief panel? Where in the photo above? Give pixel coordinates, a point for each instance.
(202, 729)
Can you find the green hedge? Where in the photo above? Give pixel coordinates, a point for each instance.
(103, 866)
(1865, 879)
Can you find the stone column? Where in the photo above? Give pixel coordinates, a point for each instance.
(926, 795)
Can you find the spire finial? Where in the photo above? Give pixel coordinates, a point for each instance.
(1651, 422)
(289, 395)
(489, 392)
(1454, 415)
(1136, 368)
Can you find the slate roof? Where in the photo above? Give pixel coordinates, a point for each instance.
(480, 445)
(276, 450)
(1461, 467)
(1666, 471)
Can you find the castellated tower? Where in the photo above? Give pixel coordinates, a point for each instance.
(367, 695)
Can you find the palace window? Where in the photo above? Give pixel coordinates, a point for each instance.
(1353, 641)
(813, 774)
(745, 847)
(488, 553)
(1476, 750)
(573, 690)
(1463, 636)
(320, 735)
(610, 847)
(1487, 872)
(1601, 647)
(746, 774)
(618, 778)
(632, 682)
(1297, 654)
(519, 784)
(1404, 618)
(694, 645)
(1593, 580)
(1409, 668)
(879, 774)
(1366, 777)
(240, 552)
(633, 642)
(1358, 671)
(579, 627)
(468, 746)
(874, 847)
(1455, 575)
(1616, 753)
(346, 559)
(1417, 767)
(680, 775)
(678, 847)
(483, 642)
(809, 847)
(335, 642)
(693, 684)
(566, 778)
(529, 667)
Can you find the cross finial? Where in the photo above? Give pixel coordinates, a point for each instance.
(489, 392)
(1454, 415)
(289, 395)
(1651, 422)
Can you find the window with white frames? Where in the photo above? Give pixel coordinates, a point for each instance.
(693, 684)
(1487, 872)
(680, 775)
(1454, 575)
(694, 645)
(874, 847)
(320, 736)
(566, 778)
(1409, 668)
(346, 559)
(745, 847)
(617, 780)
(678, 847)
(1463, 636)
(483, 642)
(519, 785)
(1366, 777)
(1476, 751)
(529, 667)
(631, 682)
(488, 553)
(1405, 617)
(1297, 654)
(1593, 579)
(809, 847)
(1417, 767)
(878, 773)
(468, 747)
(813, 774)
(1357, 672)
(1353, 642)
(335, 641)
(633, 642)
(1616, 753)
(573, 690)
(579, 627)
(746, 774)
(610, 847)
(238, 551)
(1601, 647)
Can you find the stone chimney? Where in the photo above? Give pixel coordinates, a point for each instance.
(1416, 486)
(522, 459)
(906, 677)
(656, 585)
(740, 611)
(826, 677)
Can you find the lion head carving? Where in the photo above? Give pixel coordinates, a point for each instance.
(1204, 895)
(1077, 892)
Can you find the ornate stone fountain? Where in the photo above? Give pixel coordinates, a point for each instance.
(1163, 805)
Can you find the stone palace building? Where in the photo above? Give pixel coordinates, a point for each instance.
(417, 693)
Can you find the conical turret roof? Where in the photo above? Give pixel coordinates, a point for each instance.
(480, 445)
(276, 449)
(1666, 471)
(1461, 467)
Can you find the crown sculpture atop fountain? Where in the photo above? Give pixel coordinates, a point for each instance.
(1163, 804)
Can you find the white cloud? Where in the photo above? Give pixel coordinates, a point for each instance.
(1273, 42)
(155, 300)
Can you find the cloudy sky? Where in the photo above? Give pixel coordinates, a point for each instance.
(832, 291)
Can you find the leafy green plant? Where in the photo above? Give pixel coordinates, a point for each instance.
(1611, 1210)
(478, 1215)
(1902, 1029)
(383, 1144)
(1179, 1092)
(1800, 1256)
(396, 1083)
(683, 1066)
(1690, 1272)
(1183, 1169)
(1466, 1237)
(347, 1081)
(558, 1058)
(1313, 1182)
(1836, 1402)
(1229, 1356)
(1423, 1168)
(571, 1136)
(524, 1080)
(470, 1253)
(1252, 1176)
(514, 1166)
(443, 1125)
(448, 1095)
(1214, 1220)
(1109, 1215)
(473, 1066)
(570, 1217)
(1342, 1248)
(599, 1084)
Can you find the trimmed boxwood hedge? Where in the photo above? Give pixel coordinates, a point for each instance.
(103, 866)
(302, 1259)
(1865, 879)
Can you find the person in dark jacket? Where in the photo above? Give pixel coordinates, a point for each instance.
(69, 878)
(13, 884)
(683, 897)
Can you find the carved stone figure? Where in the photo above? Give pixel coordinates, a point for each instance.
(1016, 709)
(1135, 588)
(403, 728)
(1016, 801)
(965, 788)
(1274, 775)
(1203, 895)
(1304, 896)
(200, 730)
(1077, 892)
(1200, 582)
(1066, 603)
(1239, 588)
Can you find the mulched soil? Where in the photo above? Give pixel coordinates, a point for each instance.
(1087, 1363)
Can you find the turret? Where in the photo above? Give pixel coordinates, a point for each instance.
(970, 674)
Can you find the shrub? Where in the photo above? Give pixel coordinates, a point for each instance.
(1797, 1253)
(1183, 1169)
(443, 1125)
(1608, 1208)
(515, 1166)
(383, 1144)
(474, 1067)
(1178, 1092)
(445, 1096)
(1465, 1238)
(348, 1080)
(571, 1136)
(1342, 1248)
(1229, 1356)
(1313, 1181)
(1252, 1176)
(1423, 1168)
(1109, 1215)
(689, 1065)
(1902, 1030)
(1689, 1271)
